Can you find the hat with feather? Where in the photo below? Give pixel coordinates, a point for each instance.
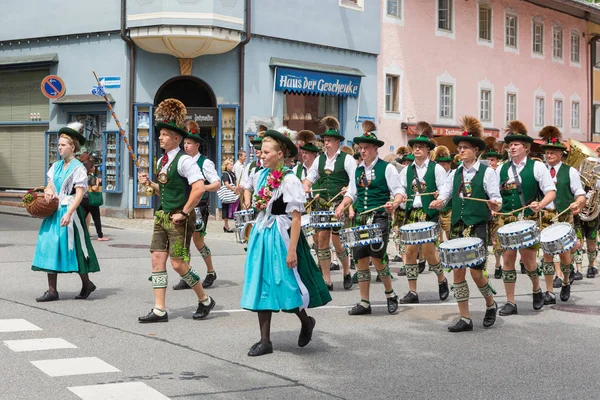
(424, 135)
(256, 142)
(193, 131)
(171, 114)
(284, 141)
(516, 131)
(308, 138)
(74, 130)
(402, 151)
(552, 136)
(441, 154)
(332, 128)
(492, 148)
(472, 132)
(368, 135)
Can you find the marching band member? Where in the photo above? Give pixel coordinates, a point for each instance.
(371, 187)
(441, 155)
(588, 231)
(470, 218)
(175, 219)
(493, 155)
(255, 165)
(332, 172)
(212, 183)
(422, 176)
(520, 181)
(569, 194)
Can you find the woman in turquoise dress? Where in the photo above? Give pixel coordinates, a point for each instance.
(63, 243)
(280, 273)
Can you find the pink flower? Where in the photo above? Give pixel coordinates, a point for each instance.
(277, 174)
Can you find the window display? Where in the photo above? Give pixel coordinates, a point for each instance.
(111, 163)
(301, 111)
(143, 148)
(93, 126)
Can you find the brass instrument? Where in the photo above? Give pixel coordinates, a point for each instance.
(584, 159)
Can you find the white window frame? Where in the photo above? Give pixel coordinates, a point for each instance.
(537, 22)
(443, 32)
(446, 79)
(510, 12)
(487, 5)
(596, 111)
(575, 34)
(359, 5)
(575, 99)
(390, 18)
(394, 95)
(393, 70)
(537, 121)
(486, 85)
(558, 97)
(555, 30)
(514, 115)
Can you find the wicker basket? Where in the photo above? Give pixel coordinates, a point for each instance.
(39, 207)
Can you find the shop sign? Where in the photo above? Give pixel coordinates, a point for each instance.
(204, 116)
(453, 131)
(313, 82)
(110, 82)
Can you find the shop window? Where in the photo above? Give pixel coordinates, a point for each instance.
(306, 111)
(93, 126)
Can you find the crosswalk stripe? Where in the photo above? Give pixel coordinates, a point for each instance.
(118, 391)
(38, 344)
(74, 366)
(17, 325)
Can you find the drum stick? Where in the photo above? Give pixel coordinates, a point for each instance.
(317, 190)
(424, 194)
(310, 202)
(475, 199)
(334, 197)
(372, 209)
(513, 212)
(555, 219)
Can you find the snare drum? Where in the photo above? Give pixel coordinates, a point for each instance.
(199, 220)
(558, 238)
(242, 234)
(325, 219)
(306, 226)
(419, 233)
(462, 252)
(519, 235)
(242, 217)
(361, 235)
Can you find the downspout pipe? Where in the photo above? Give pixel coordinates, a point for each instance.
(131, 92)
(242, 68)
(592, 55)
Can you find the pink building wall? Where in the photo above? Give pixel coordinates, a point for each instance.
(411, 50)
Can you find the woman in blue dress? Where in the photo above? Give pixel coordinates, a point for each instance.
(280, 273)
(63, 243)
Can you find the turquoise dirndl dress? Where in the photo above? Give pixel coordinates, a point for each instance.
(269, 285)
(61, 249)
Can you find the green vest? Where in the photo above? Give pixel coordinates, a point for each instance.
(470, 212)
(529, 185)
(377, 193)
(299, 171)
(564, 196)
(334, 180)
(173, 193)
(200, 162)
(430, 186)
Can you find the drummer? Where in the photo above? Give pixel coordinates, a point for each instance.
(569, 194)
(422, 176)
(532, 177)
(371, 187)
(473, 180)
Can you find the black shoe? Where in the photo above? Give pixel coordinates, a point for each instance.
(259, 349)
(498, 273)
(397, 258)
(47, 296)
(359, 310)
(410, 298)
(577, 276)
(557, 282)
(227, 230)
(203, 311)
(334, 267)
(461, 326)
(181, 285)
(422, 266)
(590, 273)
(152, 317)
(210, 278)
(508, 309)
(572, 275)
(444, 290)
(402, 271)
(306, 334)
(86, 291)
(490, 316)
(392, 304)
(549, 298)
(538, 300)
(565, 292)
(523, 270)
(348, 282)
(329, 287)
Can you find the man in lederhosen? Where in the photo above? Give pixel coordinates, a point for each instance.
(422, 176)
(212, 183)
(371, 187)
(175, 218)
(470, 218)
(521, 181)
(569, 195)
(331, 171)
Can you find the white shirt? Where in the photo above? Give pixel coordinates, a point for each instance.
(575, 184)
(187, 167)
(349, 166)
(540, 172)
(440, 179)
(392, 179)
(304, 171)
(208, 169)
(248, 178)
(238, 170)
(491, 184)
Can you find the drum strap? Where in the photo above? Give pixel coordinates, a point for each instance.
(518, 184)
(418, 181)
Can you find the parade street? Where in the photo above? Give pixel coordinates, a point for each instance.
(106, 353)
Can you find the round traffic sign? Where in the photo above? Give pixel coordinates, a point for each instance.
(53, 87)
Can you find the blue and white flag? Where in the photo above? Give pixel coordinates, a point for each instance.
(98, 91)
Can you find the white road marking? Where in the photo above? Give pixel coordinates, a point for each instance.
(118, 391)
(38, 344)
(74, 366)
(17, 325)
(350, 306)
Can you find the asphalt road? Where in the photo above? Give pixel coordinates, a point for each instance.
(534, 355)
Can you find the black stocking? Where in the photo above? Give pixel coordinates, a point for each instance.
(264, 322)
(85, 280)
(304, 319)
(52, 281)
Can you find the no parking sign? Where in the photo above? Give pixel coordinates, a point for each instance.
(53, 87)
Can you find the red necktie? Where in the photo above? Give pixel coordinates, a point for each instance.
(552, 172)
(165, 159)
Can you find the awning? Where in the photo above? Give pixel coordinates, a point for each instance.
(312, 78)
(29, 61)
(70, 99)
(591, 145)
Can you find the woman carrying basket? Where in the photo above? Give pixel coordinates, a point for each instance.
(63, 243)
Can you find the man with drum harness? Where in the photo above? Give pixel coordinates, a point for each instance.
(212, 183)
(522, 182)
(371, 187)
(475, 181)
(332, 172)
(569, 196)
(422, 177)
